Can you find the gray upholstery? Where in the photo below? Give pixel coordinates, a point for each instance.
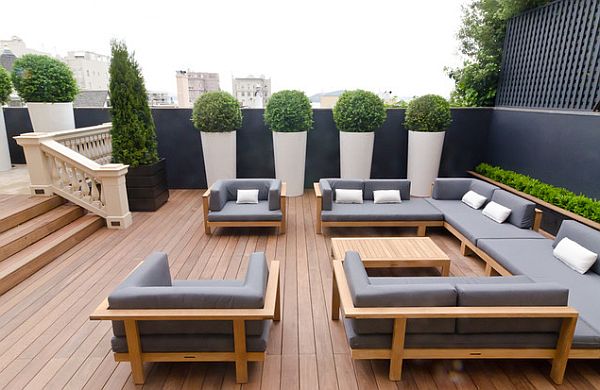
(451, 280)
(402, 185)
(245, 212)
(476, 226)
(519, 294)
(408, 210)
(141, 290)
(328, 187)
(522, 211)
(455, 188)
(583, 235)
(224, 191)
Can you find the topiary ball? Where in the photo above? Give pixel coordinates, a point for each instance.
(43, 79)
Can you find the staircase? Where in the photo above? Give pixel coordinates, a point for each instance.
(36, 230)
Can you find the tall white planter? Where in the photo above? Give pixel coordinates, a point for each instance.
(48, 117)
(356, 154)
(290, 157)
(219, 151)
(424, 154)
(4, 152)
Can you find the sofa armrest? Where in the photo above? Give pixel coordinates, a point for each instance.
(275, 193)
(537, 220)
(326, 195)
(450, 188)
(217, 196)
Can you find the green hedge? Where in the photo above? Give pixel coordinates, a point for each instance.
(561, 197)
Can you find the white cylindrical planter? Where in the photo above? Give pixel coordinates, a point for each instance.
(424, 154)
(219, 151)
(4, 152)
(289, 150)
(49, 117)
(356, 154)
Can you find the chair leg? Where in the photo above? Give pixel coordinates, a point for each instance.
(563, 348)
(134, 351)
(465, 250)
(335, 300)
(421, 230)
(397, 349)
(241, 356)
(206, 228)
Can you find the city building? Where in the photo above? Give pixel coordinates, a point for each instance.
(252, 91)
(91, 99)
(17, 46)
(159, 98)
(89, 69)
(7, 59)
(325, 99)
(191, 84)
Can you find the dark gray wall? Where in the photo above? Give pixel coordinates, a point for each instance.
(559, 148)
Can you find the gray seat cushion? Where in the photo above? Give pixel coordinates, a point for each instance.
(583, 235)
(223, 191)
(455, 188)
(451, 280)
(408, 210)
(522, 211)
(233, 212)
(476, 226)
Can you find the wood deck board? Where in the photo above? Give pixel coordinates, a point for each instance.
(46, 339)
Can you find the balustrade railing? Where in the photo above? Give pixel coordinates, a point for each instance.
(74, 164)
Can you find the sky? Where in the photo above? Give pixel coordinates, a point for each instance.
(315, 46)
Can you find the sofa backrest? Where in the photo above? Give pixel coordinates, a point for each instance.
(512, 294)
(522, 211)
(249, 295)
(226, 190)
(455, 188)
(152, 272)
(402, 185)
(328, 187)
(583, 235)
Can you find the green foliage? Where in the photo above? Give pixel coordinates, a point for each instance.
(561, 197)
(217, 112)
(481, 42)
(133, 131)
(289, 111)
(43, 79)
(5, 86)
(430, 113)
(359, 111)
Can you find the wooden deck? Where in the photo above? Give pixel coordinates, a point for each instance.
(47, 341)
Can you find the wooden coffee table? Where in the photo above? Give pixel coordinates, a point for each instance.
(393, 252)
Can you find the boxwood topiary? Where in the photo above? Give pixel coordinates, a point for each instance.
(43, 79)
(289, 111)
(359, 111)
(217, 112)
(5, 86)
(428, 113)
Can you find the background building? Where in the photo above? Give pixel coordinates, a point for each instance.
(17, 46)
(245, 88)
(326, 99)
(159, 98)
(190, 85)
(89, 69)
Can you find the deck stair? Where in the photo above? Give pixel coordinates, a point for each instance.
(36, 230)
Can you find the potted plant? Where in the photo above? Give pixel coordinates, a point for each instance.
(427, 118)
(357, 114)
(289, 115)
(5, 90)
(48, 87)
(217, 115)
(133, 133)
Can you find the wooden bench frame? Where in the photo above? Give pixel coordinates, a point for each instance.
(240, 355)
(278, 224)
(398, 352)
(420, 225)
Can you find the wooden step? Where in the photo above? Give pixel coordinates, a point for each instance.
(21, 265)
(20, 237)
(18, 209)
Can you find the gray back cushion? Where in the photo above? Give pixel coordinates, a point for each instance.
(226, 190)
(528, 294)
(153, 272)
(455, 188)
(328, 187)
(402, 185)
(522, 210)
(583, 235)
(364, 294)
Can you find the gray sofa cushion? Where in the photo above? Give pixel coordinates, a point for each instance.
(476, 226)
(224, 191)
(245, 212)
(455, 188)
(522, 211)
(328, 187)
(402, 185)
(451, 280)
(408, 210)
(519, 294)
(154, 271)
(366, 295)
(583, 235)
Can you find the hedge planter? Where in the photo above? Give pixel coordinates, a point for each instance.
(290, 159)
(356, 154)
(219, 150)
(424, 154)
(147, 188)
(49, 117)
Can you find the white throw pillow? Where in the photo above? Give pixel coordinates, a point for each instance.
(348, 196)
(474, 200)
(247, 196)
(496, 212)
(386, 196)
(574, 255)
